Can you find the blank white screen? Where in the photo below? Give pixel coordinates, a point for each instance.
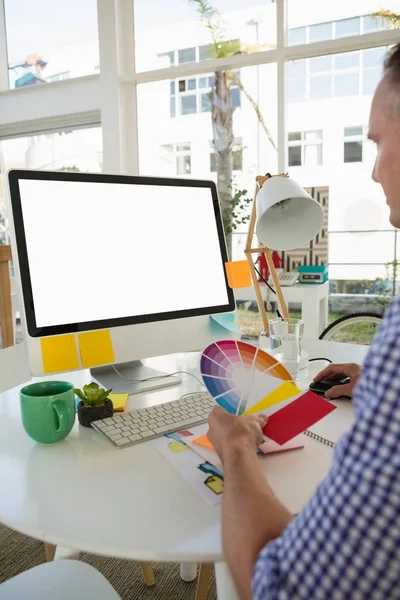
(101, 251)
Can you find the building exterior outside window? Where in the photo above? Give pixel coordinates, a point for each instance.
(305, 148)
(353, 144)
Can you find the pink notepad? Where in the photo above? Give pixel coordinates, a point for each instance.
(268, 447)
(297, 416)
(271, 447)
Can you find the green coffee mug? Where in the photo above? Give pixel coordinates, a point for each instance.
(48, 410)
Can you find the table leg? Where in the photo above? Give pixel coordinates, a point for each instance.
(203, 582)
(148, 574)
(6, 316)
(49, 551)
(226, 589)
(188, 571)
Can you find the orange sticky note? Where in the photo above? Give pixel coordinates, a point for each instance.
(59, 353)
(96, 348)
(204, 441)
(238, 274)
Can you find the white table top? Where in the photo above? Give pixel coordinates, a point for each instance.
(85, 494)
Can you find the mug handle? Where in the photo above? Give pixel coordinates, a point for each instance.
(61, 413)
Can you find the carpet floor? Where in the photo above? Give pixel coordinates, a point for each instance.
(19, 553)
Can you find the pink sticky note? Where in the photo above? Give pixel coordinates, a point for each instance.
(271, 447)
(297, 416)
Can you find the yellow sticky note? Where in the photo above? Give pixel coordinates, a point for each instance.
(283, 392)
(59, 353)
(119, 401)
(96, 348)
(238, 274)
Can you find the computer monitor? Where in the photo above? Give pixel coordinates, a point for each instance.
(143, 257)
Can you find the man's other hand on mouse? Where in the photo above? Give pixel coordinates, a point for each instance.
(337, 373)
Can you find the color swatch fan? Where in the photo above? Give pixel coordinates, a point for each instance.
(235, 372)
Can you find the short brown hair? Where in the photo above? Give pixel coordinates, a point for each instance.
(392, 64)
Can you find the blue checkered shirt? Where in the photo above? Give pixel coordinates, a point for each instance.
(345, 543)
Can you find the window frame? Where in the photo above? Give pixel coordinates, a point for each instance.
(110, 97)
(303, 143)
(354, 138)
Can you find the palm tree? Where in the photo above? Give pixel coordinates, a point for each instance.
(222, 110)
(387, 15)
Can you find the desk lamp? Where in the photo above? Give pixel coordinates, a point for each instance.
(284, 216)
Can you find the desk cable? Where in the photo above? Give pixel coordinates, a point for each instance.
(156, 377)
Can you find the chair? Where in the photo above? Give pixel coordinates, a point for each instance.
(6, 312)
(64, 580)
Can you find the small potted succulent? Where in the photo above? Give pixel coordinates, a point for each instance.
(94, 404)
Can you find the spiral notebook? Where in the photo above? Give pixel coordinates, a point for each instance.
(333, 426)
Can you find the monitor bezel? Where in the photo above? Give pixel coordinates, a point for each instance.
(15, 175)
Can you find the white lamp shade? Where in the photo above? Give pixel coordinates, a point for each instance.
(287, 217)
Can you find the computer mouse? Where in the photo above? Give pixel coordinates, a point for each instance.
(321, 387)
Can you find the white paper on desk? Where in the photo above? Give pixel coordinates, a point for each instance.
(204, 476)
(268, 448)
(206, 453)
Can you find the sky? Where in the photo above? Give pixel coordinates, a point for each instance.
(42, 26)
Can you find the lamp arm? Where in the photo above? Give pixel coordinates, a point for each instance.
(277, 285)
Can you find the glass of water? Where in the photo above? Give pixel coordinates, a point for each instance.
(286, 336)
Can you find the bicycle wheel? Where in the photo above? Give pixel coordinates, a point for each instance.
(359, 328)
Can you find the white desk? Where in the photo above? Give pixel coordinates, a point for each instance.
(84, 493)
(312, 297)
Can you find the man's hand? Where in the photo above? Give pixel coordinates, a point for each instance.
(227, 431)
(336, 373)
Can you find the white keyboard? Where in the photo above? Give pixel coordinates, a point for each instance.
(128, 428)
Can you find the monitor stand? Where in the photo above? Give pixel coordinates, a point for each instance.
(136, 370)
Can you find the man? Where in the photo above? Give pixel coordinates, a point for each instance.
(346, 541)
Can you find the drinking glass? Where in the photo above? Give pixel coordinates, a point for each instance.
(286, 336)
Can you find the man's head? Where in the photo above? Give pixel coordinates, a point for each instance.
(384, 130)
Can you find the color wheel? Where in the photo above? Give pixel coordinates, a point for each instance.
(234, 373)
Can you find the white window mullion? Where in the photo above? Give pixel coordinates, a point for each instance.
(129, 103)
(281, 32)
(118, 98)
(3, 50)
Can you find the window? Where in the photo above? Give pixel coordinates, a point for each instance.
(373, 24)
(178, 156)
(320, 77)
(159, 22)
(46, 39)
(205, 52)
(347, 27)
(353, 144)
(194, 95)
(305, 148)
(372, 68)
(237, 156)
(188, 105)
(157, 129)
(346, 74)
(297, 80)
(78, 150)
(320, 32)
(338, 75)
(340, 28)
(186, 56)
(297, 35)
(205, 102)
